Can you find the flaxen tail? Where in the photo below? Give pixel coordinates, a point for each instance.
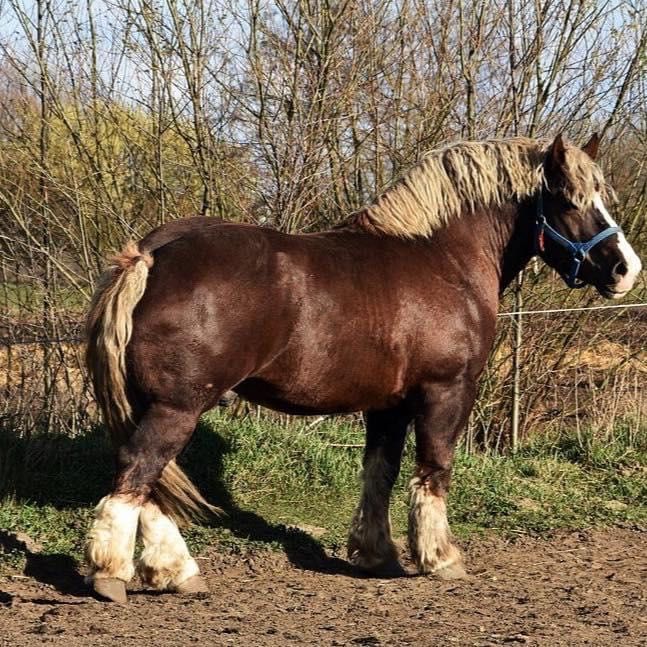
(109, 329)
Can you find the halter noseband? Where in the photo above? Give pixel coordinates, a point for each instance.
(577, 250)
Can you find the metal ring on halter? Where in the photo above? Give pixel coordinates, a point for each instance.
(578, 250)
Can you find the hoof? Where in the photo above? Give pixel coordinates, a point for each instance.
(384, 563)
(386, 569)
(110, 588)
(454, 571)
(195, 585)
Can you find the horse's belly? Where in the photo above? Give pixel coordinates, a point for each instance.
(319, 396)
(291, 406)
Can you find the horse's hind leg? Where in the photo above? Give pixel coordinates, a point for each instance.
(111, 544)
(370, 546)
(165, 563)
(160, 436)
(442, 415)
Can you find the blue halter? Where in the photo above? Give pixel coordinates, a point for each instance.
(577, 250)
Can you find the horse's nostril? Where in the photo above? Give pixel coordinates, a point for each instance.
(620, 269)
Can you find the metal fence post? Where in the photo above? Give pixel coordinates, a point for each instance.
(516, 362)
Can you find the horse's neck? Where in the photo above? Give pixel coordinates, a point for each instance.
(492, 245)
(517, 245)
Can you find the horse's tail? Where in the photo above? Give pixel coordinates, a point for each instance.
(109, 329)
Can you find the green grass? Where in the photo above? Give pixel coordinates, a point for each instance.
(270, 477)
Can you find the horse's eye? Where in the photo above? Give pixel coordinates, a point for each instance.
(597, 187)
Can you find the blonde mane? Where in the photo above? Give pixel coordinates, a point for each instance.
(462, 177)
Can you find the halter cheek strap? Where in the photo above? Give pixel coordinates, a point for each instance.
(577, 250)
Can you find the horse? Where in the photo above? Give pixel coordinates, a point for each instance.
(392, 313)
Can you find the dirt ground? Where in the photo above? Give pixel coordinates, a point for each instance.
(584, 588)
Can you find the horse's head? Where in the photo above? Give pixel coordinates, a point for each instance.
(575, 233)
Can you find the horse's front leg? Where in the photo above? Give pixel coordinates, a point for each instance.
(370, 546)
(442, 414)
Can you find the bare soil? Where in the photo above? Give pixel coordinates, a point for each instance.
(579, 588)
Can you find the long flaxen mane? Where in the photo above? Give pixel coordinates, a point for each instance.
(460, 178)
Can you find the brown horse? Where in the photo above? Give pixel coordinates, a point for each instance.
(392, 314)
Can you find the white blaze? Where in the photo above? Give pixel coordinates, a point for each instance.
(630, 257)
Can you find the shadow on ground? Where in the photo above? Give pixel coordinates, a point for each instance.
(303, 550)
(59, 570)
(72, 472)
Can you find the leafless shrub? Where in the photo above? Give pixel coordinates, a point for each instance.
(117, 117)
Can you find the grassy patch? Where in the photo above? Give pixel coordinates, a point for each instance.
(275, 479)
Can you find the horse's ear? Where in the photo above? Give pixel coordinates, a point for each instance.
(557, 153)
(591, 147)
(554, 167)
